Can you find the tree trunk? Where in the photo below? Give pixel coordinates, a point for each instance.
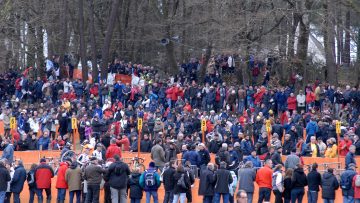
(346, 54)
(40, 50)
(339, 34)
(95, 70)
(108, 37)
(63, 45)
(328, 44)
(82, 43)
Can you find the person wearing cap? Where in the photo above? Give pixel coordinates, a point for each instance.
(93, 175)
(346, 183)
(350, 156)
(329, 185)
(61, 184)
(43, 175)
(150, 181)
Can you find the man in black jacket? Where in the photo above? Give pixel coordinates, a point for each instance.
(288, 145)
(93, 176)
(276, 157)
(298, 182)
(118, 175)
(222, 180)
(169, 182)
(346, 183)
(206, 185)
(4, 178)
(314, 181)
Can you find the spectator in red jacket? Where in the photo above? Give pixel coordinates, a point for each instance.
(61, 184)
(57, 144)
(291, 102)
(344, 145)
(43, 175)
(112, 150)
(123, 143)
(356, 188)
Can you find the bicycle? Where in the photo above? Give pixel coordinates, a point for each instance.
(135, 162)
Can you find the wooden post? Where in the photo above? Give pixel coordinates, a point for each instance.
(338, 132)
(203, 129)
(139, 126)
(138, 144)
(268, 129)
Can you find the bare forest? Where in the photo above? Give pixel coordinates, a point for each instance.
(164, 33)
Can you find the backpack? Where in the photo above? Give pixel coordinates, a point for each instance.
(181, 182)
(357, 180)
(150, 179)
(31, 179)
(346, 183)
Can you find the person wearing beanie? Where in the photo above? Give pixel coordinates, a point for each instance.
(150, 182)
(43, 175)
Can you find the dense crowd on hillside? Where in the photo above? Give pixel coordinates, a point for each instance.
(302, 123)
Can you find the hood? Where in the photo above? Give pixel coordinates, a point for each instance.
(299, 170)
(135, 175)
(327, 175)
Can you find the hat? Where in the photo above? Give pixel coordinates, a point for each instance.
(237, 144)
(42, 160)
(352, 165)
(152, 164)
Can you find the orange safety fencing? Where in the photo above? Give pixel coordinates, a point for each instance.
(30, 157)
(123, 78)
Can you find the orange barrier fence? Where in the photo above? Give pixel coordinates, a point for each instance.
(30, 157)
(123, 78)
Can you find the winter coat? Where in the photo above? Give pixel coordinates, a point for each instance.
(4, 178)
(118, 175)
(347, 177)
(291, 101)
(356, 189)
(158, 155)
(255, 160)
(204, 157)
(287, 147)
(329, 185)
(17, 182)
(145, 145)
(93, 174)
(112, 150)
(157, 180)
(177, 188)
(314, 180)
(287, 188)
(136, 192)
(214, 146)
(247, 146)
(207, 182)
(193, 157)
(168, 179)
(8, 153)
(291, 161)
(246, 179)
(223, 179)
(61, 181)
(350, 158)
(43, 175)
(299, 179)
(311, 128)
(73, 178)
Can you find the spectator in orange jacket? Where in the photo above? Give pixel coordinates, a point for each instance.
(264, 181)
(61, 184)
(310, 99)
(112, 150)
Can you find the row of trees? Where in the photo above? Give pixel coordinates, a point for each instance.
(100, 30)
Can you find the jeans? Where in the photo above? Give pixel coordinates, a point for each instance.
(297, 194)
(169, 196)
(72, 194)
(312, 196)
(250, 197)
(224, 195)
(2, 196)
(357, 201)
(329, 200)
(40, 195)
(231, 198)
(208, 199)
(132, 200)
(181, 196)
(16, 197)
(287, 200)
(278, 196)
(92, 195)
(115, 193)
(348, 199)
(61, 194)
(152, 193)
(264, 194)
(32, 192)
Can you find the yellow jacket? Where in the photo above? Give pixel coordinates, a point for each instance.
(331, 152)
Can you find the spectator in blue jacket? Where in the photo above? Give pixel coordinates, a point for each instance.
(246, 145)
(78, 88)
(44, 141)
(350, 156)
(311, 129)
(346, 183)
(17, 182)
(150, 181)
(192, 156)
(254, 159)
(8, 152)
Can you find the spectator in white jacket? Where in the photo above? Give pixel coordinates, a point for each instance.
(278, 183)
(300, 99)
